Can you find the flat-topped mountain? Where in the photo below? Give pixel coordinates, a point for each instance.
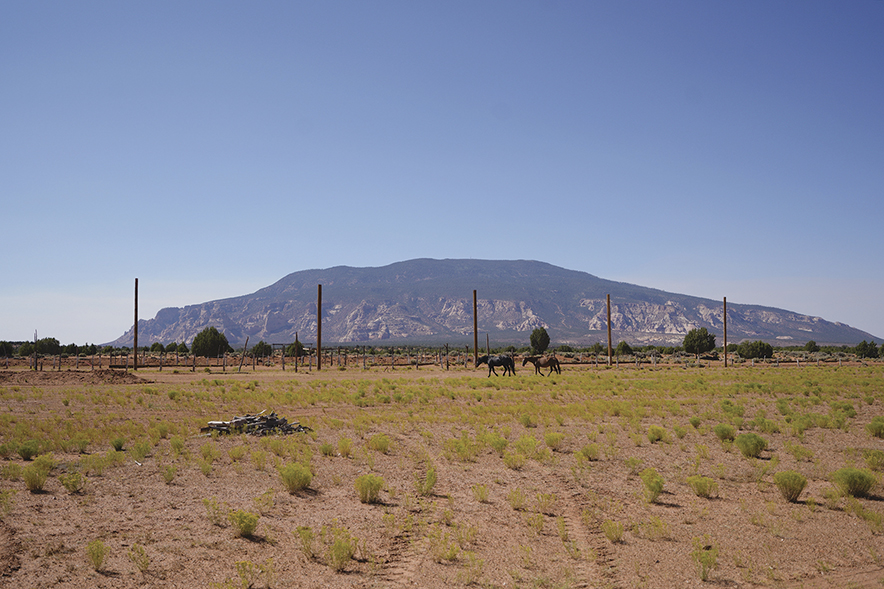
(430, 301)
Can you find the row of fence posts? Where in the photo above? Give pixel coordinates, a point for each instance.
(341, 359)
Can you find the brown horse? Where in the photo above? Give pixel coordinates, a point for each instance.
(539, 362)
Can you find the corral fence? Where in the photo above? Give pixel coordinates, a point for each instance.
(391, 359)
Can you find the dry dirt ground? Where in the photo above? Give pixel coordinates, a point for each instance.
(452, 536)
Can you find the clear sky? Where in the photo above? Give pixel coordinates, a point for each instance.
(210, 148)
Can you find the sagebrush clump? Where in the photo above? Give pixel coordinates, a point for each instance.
(295, 477)
(856, 482)
(369, 487)
(790, 484)
(653, 484)
(750, 444)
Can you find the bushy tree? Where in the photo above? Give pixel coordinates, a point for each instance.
(171, 347)
(295, 349)
(210, 342)
(757, 349)
(6, 349)
(26, 349)
(539, 340)
(262, 349)
(623, 349)
(48, 345)
(699, 341)
(157, 347)
(866, 349)
(596, 348)
(811, 347)
(182, 348)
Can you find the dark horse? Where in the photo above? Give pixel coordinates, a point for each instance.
(505, 361)
(539, 362)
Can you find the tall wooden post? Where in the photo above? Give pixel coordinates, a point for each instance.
(475, 332)
(725, 332)
(609, 331)
(319, 329)
(297, 354)
(243, 357)
(135, 364)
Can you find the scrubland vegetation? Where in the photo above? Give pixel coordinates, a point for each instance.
(612, 478)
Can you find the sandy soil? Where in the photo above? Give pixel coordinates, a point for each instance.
(763, 540)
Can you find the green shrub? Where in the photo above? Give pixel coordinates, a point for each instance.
(750, 444)
(653, 484)
(876, 427)
(177, 444)
(215, 511)
(703, 486)
(380, 443)
(554, 439)
(117, 444)
(514, 460)
(236, 453)
(856, 482)
(426, 483)
(34, 477)
(74, 482)
(340, 546)
(45, 462)
(656, 434)
(28, 449)
(497, 442)
(874, 459)
(138, 556)
(244, 522)
(140, 450)
(295, 477)
(369, 487)
(480, 493)
(790, 484)
(590, 452)
(96, 551)
(327, 449)
(345, 447)
(462, 448)
(6, 496)
(705, 554)
(613, 531)
(695, 422)
(516, 499)
(305, 537)
(724, 432)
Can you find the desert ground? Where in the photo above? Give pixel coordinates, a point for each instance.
(539, 480)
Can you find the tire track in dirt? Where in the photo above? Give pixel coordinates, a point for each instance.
(9, 549)
(403, 562)
(586, 533)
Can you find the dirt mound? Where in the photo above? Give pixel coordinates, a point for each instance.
(67, 377)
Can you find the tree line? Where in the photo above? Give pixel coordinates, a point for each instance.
(212, 343)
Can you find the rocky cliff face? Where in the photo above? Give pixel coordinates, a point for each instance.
(430, 301)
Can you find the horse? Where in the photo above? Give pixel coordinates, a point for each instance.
(505, 361)
(539, 362)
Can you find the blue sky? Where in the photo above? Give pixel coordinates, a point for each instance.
(210, 148)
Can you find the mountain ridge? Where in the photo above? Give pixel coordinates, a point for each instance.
(430, 301)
